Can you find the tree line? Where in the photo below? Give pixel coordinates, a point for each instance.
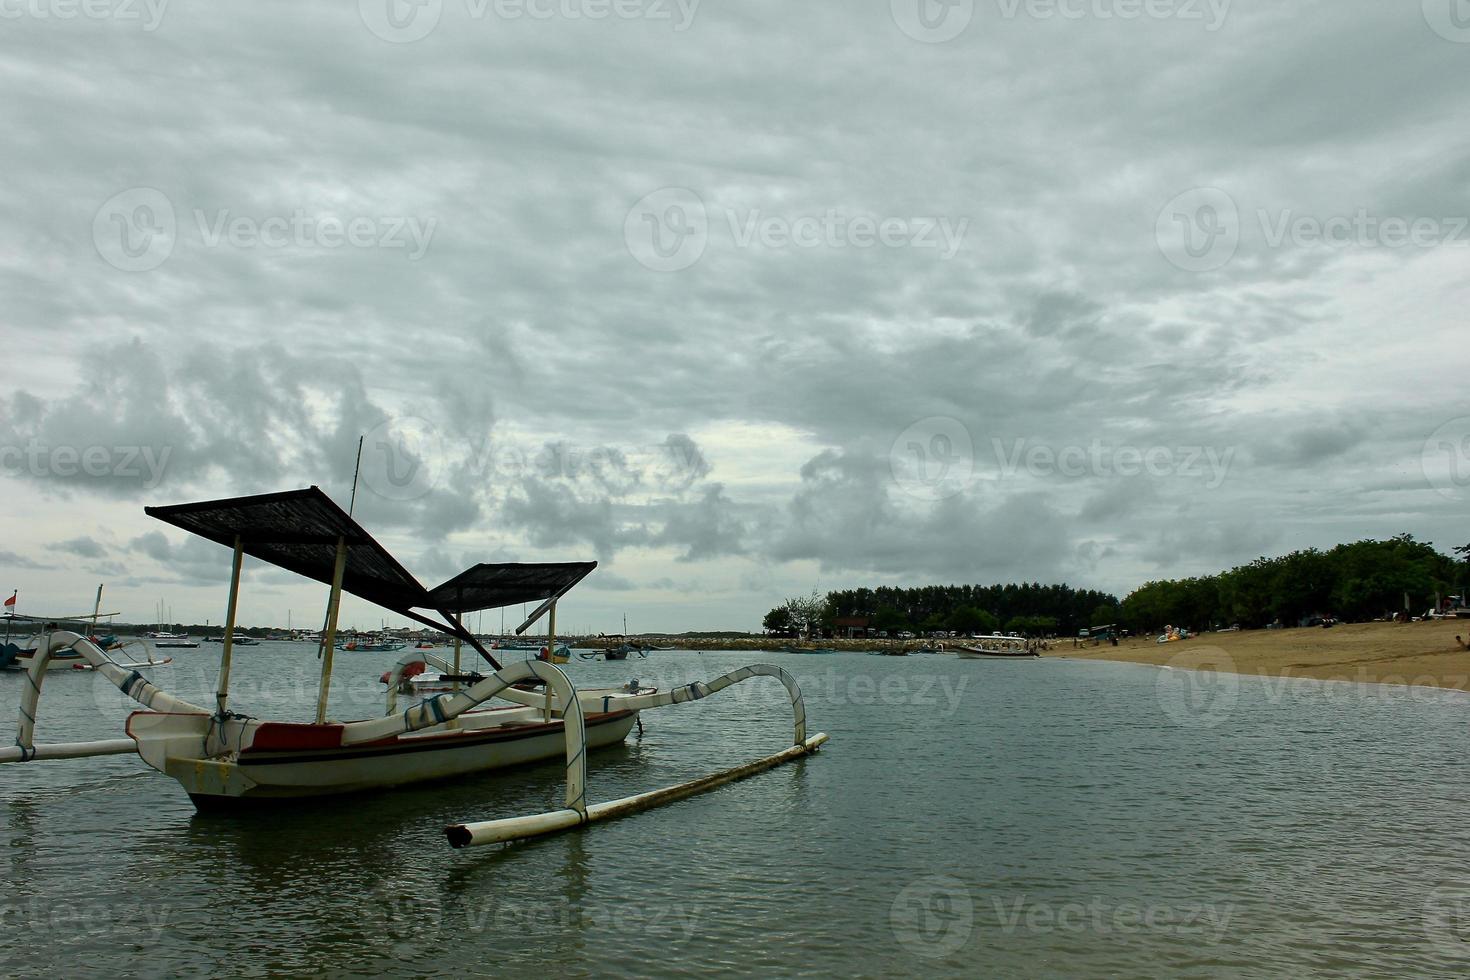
(1033, 609)
(1354, 582)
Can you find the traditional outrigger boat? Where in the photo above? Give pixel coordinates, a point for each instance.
(225, 759)
(19, 656)
(998, 648)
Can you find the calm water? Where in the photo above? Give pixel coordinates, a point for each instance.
(968, 818)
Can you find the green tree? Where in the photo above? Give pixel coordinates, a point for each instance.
(969, 619)
(806, 613)
(778, 620)
(890, 620)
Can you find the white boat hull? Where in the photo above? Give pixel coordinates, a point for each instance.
(57, 662)
(485, 741)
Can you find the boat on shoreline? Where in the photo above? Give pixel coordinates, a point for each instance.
(371, 644)
(239, 640)
(225, 759)
(998, 648)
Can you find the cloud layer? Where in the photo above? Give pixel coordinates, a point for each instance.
(738, 299)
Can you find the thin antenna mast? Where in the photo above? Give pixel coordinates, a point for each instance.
(356, 469)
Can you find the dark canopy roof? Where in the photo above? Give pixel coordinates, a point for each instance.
(298, 530)
(493, 586)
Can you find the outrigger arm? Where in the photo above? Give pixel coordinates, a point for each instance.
(518, 828)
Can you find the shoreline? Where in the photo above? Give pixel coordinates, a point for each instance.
(1399, 654)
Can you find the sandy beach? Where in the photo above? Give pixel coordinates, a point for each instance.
(1422, 654)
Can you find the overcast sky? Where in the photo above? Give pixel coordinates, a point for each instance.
(739, 299)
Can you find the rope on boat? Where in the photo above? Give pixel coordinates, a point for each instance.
(218, 719)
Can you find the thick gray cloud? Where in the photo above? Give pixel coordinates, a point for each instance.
(84, 546)
(188, 316)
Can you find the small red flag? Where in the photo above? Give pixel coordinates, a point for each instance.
(10, 603)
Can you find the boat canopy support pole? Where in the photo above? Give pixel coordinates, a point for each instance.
(329, 639)
(222, 692)
(129, 681)
(550, 650)
(518, 828)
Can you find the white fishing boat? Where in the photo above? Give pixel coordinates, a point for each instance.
(997, 647)
(224, 759)
(17, 653)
